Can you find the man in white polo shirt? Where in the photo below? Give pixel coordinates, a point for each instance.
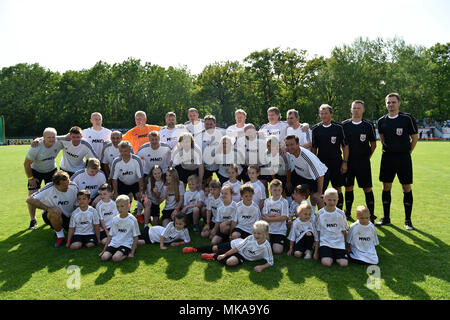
(154, 153)
(171, 132)
(301, 130)
(57, 199)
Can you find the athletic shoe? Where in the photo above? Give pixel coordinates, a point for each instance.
(140, 218)
(208, 256)
(373, 218)
(408, 225)
(33, 225)
(189, 250)
(383, 222)
(308, 254)
(59, 242)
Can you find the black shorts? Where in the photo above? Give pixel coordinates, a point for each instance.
(333, 174)
(84, 239)
(335, 254)
(305, 243)
(126, 189)
(399, 164)
(103, 234)
(277, 238)
(167, 214)
(244, 234)
(359, 169)
(299, 180)
(145, 236)
(155, 211)
(46, 177)
(65, 220)
(184, 174)
(125, 250)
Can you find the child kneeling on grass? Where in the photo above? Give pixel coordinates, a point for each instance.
(124, 233)
(254, 247)
(303, 234)
(175, 230)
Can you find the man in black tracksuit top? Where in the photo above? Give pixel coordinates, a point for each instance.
(398, 135)
(328, 139)
(361, 139)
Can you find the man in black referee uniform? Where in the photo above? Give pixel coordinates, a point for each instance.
(328, 139)
(361, 139)
(398, 135)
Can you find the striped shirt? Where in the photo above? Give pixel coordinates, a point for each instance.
(73, 156)
(307, 165)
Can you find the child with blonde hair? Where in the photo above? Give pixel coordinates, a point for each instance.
(303, 234)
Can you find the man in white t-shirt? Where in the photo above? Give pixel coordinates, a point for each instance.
(154, 153)
(301, 130)
(275, 126)
(127, 173)
(75, 151)
(171, 132)
(304, 167)
(97, 135)
(110, 152)
(195, 125)
(237, 130)
(40, 166)
(57, 199)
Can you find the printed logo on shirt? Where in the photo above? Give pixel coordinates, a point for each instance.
(122, 230)
(154, 159)
(364, 238)
(333, 140)
(63, 203)
(127, 173)
(331, 225)
(362, 137)
(72, 155)
(142, 136)
(84, 222)
(276, 211)
(399, 131)
(97, 141)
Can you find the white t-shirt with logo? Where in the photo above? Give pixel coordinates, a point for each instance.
(171, 201)
(252, 251)
(278, 207)
(86, 182)
(236, 186)
(331, 226)
(128, 172)
(226, 213)
(52, 197)
(43, 158)
(170, 233)
(123, 231)
(213, 204)
(246, 216)
(96, 138)
(107, 211)
(73, 156)
(151, 157)
(109, 153)
(300, 228)
(193, 197)
(84, 221)
(363, 240)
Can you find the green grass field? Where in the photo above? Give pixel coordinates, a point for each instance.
(413, 264)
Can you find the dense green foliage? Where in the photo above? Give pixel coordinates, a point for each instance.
(32, 97)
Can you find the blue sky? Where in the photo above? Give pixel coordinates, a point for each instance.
(65, 34)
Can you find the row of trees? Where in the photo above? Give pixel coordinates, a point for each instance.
(32, 97)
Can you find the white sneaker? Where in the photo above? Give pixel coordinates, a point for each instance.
(308, 254)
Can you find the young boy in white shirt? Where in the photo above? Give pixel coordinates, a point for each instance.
(106, 209)
(193, 201)
(124, 234)
(247, 213)
(331, 227)
(362, 239)
(213, 203)
(275, 212)
(233, 173)
(303, 233)
(84, 224)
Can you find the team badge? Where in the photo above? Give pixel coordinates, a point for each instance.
(333, 140)
(399, 131)
(362, 137)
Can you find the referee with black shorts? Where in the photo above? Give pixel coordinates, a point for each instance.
(328, 139)
(398, 134)
(362, 141)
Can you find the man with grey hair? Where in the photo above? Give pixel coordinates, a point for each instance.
(40, 166)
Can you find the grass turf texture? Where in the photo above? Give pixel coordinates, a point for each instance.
(413, 264)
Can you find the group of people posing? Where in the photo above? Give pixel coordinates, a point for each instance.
(252, 193)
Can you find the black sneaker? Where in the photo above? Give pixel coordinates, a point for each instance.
(348, 215)
(408, 225)
(383, 222)
(373, 218)
(33, 225)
